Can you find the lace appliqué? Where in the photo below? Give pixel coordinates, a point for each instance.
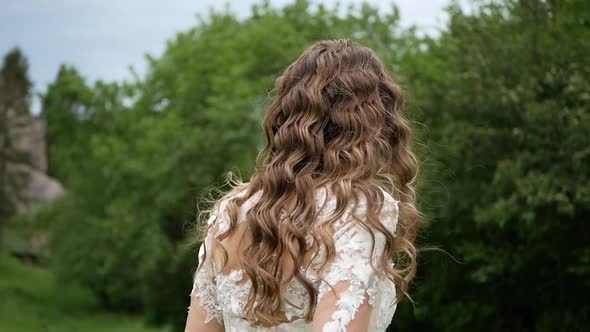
(352, 266)
(223, 296)
(205, 289)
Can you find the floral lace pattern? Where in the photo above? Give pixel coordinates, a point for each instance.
(205, 287)
(223, 296)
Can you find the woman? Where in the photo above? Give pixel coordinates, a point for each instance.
(321, 237)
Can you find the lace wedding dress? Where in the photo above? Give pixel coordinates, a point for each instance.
(222, 296)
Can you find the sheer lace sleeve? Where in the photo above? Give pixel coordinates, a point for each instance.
(357, 288)
(205, 313)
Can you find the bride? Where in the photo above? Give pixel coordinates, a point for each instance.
(321, 236)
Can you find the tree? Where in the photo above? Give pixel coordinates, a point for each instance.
(15, 91)
(16, 85)
(502, 93)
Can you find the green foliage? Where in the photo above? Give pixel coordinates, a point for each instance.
(501, 105)
(15, 85)
(504, 93)
(32, 301)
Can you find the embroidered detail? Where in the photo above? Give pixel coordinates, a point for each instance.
(205, 289)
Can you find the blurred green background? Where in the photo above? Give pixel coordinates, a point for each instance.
(99, 191)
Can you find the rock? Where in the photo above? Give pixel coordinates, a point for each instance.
(25, 182)
(36, 187)
(29, 136)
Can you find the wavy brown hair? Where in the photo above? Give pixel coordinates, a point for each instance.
(336, 119)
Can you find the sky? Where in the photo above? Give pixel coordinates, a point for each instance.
(102, 38)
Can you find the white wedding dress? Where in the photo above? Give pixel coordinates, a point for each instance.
(222, 296)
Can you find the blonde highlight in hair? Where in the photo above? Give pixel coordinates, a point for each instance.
(336, 120)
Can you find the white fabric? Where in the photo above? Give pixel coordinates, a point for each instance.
(223, 298)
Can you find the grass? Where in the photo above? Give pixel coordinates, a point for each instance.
(30, 301)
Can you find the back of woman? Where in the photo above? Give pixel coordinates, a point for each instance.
(321, 237)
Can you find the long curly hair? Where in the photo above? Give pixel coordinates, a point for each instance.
(336, 119)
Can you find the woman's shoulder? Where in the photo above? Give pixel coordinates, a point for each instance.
(325, 200)
(387, 210)
(326, 197)
(220, 210)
